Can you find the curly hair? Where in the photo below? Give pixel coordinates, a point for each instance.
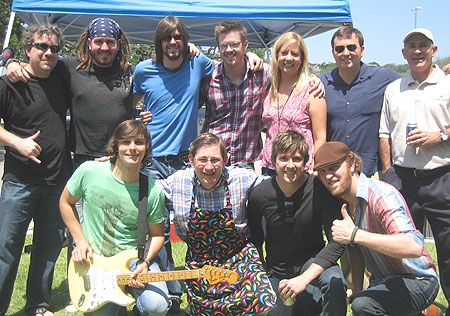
(41, 29)
(355, 158)
(129, 129)
(83, 53)
(303, 71)
(165, 28)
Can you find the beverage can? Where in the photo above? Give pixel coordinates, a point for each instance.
(409, 128)
(289, 301)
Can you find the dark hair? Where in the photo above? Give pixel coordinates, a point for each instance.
(355, 158)
(41, 29)
(83, 53)
(227, 27)
(126, 130)
(207, 139)
(347, 32)
(290, 141)
(165, 28)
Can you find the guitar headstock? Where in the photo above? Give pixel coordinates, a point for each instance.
(215, 275)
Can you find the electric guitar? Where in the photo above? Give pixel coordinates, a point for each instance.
(103, 280)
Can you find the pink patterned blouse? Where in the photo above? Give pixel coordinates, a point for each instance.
(292, 115)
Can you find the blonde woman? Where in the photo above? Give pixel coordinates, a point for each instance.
(289, 104)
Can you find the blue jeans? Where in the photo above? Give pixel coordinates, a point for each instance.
(331, 284)
(160, 169)
(396, 296)
(19, 203)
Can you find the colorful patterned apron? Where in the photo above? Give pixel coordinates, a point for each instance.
(213, 239)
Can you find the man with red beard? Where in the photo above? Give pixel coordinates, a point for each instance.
(381, 236)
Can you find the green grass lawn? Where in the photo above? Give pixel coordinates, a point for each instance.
(60, 286)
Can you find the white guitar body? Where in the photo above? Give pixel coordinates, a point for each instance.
(104, 280)
(94, 285)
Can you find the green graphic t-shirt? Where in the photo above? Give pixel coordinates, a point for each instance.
(110, 207)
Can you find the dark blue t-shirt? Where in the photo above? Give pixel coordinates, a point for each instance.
(353, 110)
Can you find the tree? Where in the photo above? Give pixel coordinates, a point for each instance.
(5, 10)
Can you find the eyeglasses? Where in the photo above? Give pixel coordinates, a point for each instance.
(176, 37)
(201, 162)
(233, 45)
(289, 212)
(43, 47)
(351, 48)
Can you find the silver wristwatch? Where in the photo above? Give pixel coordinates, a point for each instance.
(444, 136)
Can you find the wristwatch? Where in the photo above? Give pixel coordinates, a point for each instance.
(444, 136)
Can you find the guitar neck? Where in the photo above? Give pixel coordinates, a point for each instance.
(149, 277)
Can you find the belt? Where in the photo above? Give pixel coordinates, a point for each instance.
(171, 158)
(419, 173)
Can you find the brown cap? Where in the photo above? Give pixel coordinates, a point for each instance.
(330, 153)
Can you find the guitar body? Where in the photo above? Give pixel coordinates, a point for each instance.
(103, 280)
(93, 285)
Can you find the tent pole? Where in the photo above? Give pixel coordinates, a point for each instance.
(8, 35)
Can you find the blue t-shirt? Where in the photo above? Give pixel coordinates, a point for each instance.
(353, 110)
(172, 97)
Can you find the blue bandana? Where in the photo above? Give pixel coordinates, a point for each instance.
(104, 27)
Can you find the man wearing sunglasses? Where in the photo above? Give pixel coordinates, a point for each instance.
(417, 160)
(296, 208)
(37, 165)
(354, 95)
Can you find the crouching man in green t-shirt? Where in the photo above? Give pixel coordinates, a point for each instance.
(110, 193)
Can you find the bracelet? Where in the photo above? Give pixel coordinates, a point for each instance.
(147, 262)
(12, 60)
(352, 238)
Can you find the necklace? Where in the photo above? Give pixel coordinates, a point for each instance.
(278, 105)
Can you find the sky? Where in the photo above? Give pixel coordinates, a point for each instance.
(384, 24)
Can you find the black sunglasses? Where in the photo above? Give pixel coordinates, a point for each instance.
(289, 212)
(176, 37)
(351, 48)
(43, 47)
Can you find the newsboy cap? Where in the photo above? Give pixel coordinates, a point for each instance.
(330, 153)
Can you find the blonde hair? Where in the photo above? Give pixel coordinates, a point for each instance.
(303, 72)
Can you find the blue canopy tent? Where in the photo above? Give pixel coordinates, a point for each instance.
(265, 20)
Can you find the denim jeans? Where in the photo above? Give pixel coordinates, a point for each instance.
(160, 169)
(19, 203)
(152, 300)
(330, 284)
(396, 296)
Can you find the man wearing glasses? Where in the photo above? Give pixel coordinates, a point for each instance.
(296, 208)
(379, 231)
(234, 96)
(36, 169)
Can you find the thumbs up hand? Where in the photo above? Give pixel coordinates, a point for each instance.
(342, 229)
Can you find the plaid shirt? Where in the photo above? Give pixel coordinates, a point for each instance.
(234, 112)
(178, 190)
(382, 210)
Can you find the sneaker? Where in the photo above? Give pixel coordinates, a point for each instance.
(432, 310)
(70, 308)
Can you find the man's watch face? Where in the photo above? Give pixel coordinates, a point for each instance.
(444, 136)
